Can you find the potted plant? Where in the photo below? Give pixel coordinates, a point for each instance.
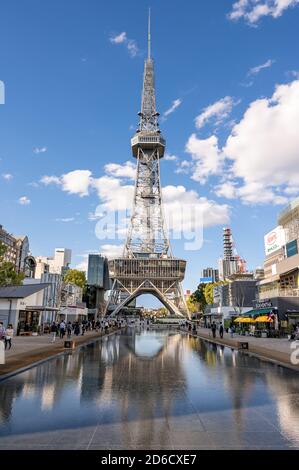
(34, 329)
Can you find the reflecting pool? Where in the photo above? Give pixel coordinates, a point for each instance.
(145, 389)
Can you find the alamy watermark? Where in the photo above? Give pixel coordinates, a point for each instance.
(183, 222)
(2, 92)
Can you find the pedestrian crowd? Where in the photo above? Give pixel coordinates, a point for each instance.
(79, 328)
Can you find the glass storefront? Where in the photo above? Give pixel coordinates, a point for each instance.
(28, 321)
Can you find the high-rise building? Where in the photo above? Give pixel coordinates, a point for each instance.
(211, 273)
(98, 273)
(231, 262)
(57, 264)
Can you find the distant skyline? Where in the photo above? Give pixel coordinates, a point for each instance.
(227, 82)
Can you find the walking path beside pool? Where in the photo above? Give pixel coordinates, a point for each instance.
(27, 350)
(277, 350)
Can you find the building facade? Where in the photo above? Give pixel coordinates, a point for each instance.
(17, 249)
(57, 264)
(21, 306)
(280, 286)
(210, 273)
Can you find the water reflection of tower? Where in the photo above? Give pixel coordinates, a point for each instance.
(96, 361)
(145, 386)
(134, 386)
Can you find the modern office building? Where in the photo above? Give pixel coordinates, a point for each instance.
(57, 264)
(210, 273)
(98, 272)
(98, 283)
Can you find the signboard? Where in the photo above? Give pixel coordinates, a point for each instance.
(265, 303)
(205, 280)
(274, 240)
(292, 248)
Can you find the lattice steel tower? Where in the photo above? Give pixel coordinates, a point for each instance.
(147, 265)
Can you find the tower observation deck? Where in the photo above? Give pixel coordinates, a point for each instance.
(147, 264)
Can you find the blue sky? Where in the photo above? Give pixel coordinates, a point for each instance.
(73, 74)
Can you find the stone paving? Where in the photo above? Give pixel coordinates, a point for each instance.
(27, 350)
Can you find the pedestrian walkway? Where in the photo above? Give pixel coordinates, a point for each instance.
(27, 350)
(275, 349)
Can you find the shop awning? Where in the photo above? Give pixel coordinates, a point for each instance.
(244, 320)
(259, 312)
(263, 319)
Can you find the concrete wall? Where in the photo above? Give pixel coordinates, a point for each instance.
(9, 312)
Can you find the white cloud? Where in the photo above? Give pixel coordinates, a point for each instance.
(253, 10)
(126, 170)
(132, 47)
(119, 39)
(24, 201)
(258, 68)
(111, 250)
(264, 146)
(251, 193)
(74, 182)
(227, 190)
(206, 155)
(175, 104)
(130, 44)
(7, 176)
(65, 219)
(180, 205)
(113, 194)
(46, 180)
(170, 158)
(219, 110)
(38, 150)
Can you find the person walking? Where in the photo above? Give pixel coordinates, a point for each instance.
(69, 330)
(62, 328)
(53, 331)
(77, 329)
(214, 327)
(8, 336)
(2, 330)
(221, 330)
(231, 330)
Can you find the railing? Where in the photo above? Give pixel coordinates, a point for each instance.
(278, 293)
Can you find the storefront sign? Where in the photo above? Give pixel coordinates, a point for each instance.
(274, 240)
(266, 303)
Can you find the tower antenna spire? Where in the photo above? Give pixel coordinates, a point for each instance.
(149, 34)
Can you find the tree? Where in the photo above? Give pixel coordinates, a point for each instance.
(199, 297)
(74, 276)
(193, 306)
(209, 293)
(8, 273)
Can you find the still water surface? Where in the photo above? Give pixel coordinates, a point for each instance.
(151, 390)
